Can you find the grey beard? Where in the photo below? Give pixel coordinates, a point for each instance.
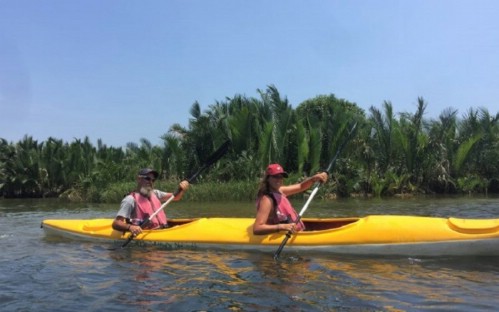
(145, 191)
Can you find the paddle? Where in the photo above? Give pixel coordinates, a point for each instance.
(316, 188)
(210, 161)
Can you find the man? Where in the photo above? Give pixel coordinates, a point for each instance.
(143, 202)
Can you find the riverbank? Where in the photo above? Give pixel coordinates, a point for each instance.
(237, 191)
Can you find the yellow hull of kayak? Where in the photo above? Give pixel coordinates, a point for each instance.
(379, 235)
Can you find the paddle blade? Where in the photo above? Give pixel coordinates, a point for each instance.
(222, 150)
(283, 243)
(340, 148)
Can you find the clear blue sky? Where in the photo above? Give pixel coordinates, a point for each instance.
(126, 70)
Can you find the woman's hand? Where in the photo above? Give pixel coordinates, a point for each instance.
(320, 177)
(287, 227)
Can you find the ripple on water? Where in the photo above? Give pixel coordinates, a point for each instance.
(47, 274)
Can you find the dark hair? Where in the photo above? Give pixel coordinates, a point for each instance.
(263, 186)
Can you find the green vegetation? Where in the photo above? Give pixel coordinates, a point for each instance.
(390, 155)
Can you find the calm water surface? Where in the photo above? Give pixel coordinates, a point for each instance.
(38, 273)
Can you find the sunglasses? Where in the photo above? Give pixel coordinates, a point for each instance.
(277, 176)
(148, 178)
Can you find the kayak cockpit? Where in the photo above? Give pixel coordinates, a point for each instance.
(177, 222)
(327, 224)
(311, 224)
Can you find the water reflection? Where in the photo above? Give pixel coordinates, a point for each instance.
(239, 281)
(446, 283)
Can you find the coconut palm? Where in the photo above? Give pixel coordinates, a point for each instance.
(382, 135)
(277, 131)
(443, 144)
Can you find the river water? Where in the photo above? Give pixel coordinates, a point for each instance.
(39, 273)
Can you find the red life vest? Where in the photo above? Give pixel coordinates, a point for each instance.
(282, 211)
(145, 207)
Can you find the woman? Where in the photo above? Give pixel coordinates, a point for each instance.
(274, 211)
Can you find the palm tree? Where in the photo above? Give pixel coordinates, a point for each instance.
(277, 131)
(382, 135)
(7, 168)
(438, 171)
(480, 136)
(54, 158)
(328, 119)
(173, 155)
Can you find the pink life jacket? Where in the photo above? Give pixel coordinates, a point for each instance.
(282, 210)
(145, 207)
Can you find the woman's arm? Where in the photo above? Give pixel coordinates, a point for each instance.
(260, 226)
(304, 185)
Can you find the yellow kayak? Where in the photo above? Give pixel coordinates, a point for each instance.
(371, 235)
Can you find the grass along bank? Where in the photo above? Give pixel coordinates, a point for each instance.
(198, 192)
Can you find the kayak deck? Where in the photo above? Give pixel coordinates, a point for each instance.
(382, 235)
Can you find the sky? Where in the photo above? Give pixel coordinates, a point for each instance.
(122, 71)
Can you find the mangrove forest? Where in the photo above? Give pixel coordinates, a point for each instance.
(389, 154)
